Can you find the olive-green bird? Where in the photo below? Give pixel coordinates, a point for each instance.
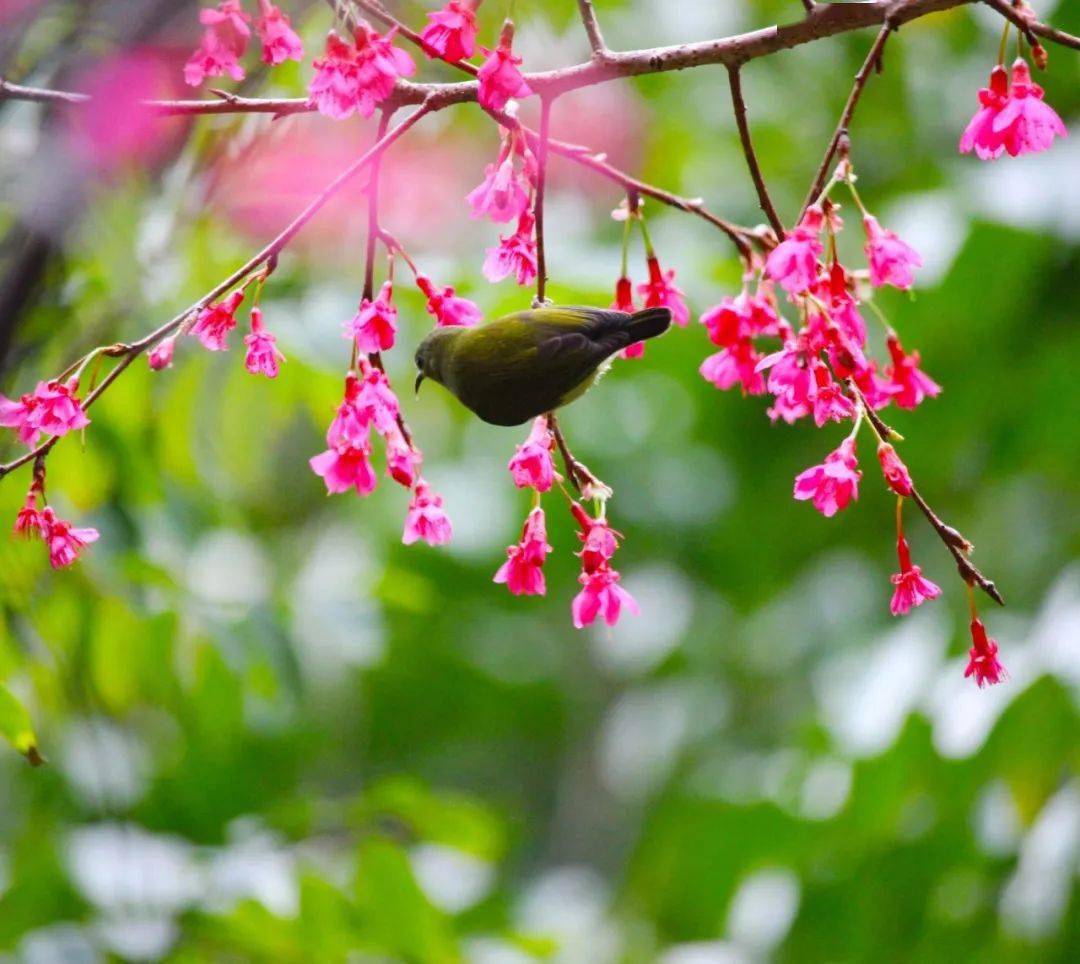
(531, 362)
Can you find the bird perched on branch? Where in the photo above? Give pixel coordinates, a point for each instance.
(531, 362)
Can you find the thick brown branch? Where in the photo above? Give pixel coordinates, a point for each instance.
(738, 103)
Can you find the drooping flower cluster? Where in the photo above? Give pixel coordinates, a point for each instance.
(500, 79)
(374, 326)
(600, 595)
(63, 540)
(226, 33)
(52, 408)
(356, 77)
(212, 327)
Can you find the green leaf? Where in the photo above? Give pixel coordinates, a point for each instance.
(16, 728)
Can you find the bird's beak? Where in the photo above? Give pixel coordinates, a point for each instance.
(419, 379)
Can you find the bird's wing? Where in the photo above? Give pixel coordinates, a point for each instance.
(587, 332)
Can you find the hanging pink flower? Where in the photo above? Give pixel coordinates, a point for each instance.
(15, 415)
(1025, 123)
(624, 301)
(214, 323)
(379, 64)
(262, 351)
(980, 134)
(599, 540)
(983, 663)
(426, 519)
(835, 290)
(660, 291)
(64, 540)
(514, 254)
(345, 467)
(793, 263)
(523, 571)
(402, 460)
(161, 355)
(451, 34)
(369, 400)
(601, 595)
(279, 41)
(892, 261)
(500, 79)
(375, 324)
(333, 90)
(894, 470)
(224, 40)
(877, 391)
(735, 365)
(833, 484)
(912, 385)
(52, 409)
(912, 589)
(28, 521)
(532, 466)
(790, 382)
(503, 195)
(447, 308)
(828, 398)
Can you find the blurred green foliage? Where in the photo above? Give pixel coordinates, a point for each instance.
(275, 733)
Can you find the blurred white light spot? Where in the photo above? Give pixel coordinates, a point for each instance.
(825, 789)
(254, 866)
(107, 766)
(452, 879)
(491, 950)
(934, 226)
(229, 569)
(866, 695)
(705, 952)
(997, 821)
(569, 905)
(134, 937)
(763, 909)
(637, 645)
(481, 504)
(66, 943)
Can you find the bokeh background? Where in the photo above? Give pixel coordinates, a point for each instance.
(275, 733)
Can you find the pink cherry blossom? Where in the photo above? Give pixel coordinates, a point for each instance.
(892, 261)
(1025, 123)
(500, 79)
(451, 34)
(599, 540)
(426, 519)
(877, 391)
(52, 409)
(828, 398)
(661, 291)
(835, 291)
(911, 384)
(601, 595)
(833, 484)
(402, 460)
(161, 355)
(28, 521)
(523, 572)
(503, 195)
(983, 663)
(894, 470)
(447, 308)
(532, 466)
(375, 324)
(279, 41)
(369, 401)
(790, 382)
(15, 414)
(735, 365)
(345, 467)
(514, 254)
(358, 76)
(262, 351)
(215, 321)
(912, 589)
(980, 135)
(64, 540)
(333, 89)
(624, 301)
(224, 40)
(793, 263)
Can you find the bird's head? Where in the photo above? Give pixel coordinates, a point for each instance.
(432, 352)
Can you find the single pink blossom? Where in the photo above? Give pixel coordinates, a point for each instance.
(500, 79)
(828, 398)
(532, 466)
(215, 321)
(599, 540)
(912, 589)
(523, 571)
(28, 521)
(661, 291)
(451, 33)
(55, 408)
(735, 365)
(369, 401)
(64, 540)
(375, 324)
(262, 351)
(224, 40)
(980, 134)
(402, 460)
(345, 467)
(833, 484)
(514, 254)
(426, 519)
(983, 663)
(16, 415)
(279, 41)
(912, 385)
(161, 355)
(503, 195)
(790, 382)
(793, 263)
(601, 595)
(835, 290)
(1026, 124)
(333, 90)
(379, 65)
(892, 261)
(447, 308)
(894, 470)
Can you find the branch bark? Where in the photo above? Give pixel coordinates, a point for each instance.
(739, 105)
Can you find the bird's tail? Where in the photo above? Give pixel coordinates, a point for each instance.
(648, 323)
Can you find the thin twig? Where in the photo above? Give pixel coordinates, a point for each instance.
(739, 105)
(572, 464)
(128, 353)
(1024, 18)
(592, 29)
(373, 212)
(538, 204)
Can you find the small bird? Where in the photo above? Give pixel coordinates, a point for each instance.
(531, 362)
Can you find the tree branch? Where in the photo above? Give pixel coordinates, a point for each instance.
(1024, 18)
(592, 29)
(739, 105)
(538, 203)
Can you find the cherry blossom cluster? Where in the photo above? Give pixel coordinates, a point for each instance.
(533, 467)
(226, 33)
